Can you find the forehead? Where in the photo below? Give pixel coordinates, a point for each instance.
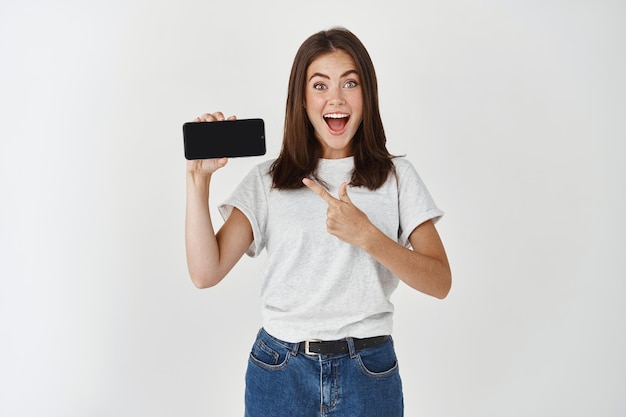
(332, 63)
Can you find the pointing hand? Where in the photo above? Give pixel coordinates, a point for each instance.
(343, 219)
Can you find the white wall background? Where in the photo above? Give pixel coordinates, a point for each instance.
(512, 111)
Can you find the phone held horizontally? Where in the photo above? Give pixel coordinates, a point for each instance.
(228, 138)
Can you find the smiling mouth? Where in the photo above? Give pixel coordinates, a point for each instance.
(336, 121)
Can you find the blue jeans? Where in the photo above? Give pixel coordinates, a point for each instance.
(283, 381)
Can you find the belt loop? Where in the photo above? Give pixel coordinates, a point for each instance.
(295, 347)
(351, 348)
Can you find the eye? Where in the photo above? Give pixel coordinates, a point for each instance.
(350, 84)
(319, 86)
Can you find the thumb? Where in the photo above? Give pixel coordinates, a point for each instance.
(222, 162)
(343, 193)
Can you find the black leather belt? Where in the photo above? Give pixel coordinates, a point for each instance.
(318, 347)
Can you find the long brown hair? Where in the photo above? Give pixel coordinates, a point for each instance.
(301, 150)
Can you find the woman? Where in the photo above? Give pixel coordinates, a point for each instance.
(342, 221)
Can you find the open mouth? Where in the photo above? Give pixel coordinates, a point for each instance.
(336, 121)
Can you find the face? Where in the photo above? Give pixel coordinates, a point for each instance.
(334, 102)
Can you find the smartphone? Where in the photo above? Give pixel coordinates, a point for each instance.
(228, 138)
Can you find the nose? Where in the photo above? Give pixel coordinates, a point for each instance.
(336, 96)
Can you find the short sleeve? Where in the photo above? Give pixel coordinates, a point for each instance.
(251, 199)
(415, 203)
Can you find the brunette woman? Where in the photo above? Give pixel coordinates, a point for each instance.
(343, 222)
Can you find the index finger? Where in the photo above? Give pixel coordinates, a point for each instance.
(319, 190)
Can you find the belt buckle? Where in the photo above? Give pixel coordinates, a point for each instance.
(307, 343)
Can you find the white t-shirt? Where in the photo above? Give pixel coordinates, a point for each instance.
(314, 285)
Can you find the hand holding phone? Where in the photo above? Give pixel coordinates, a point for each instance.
(227, 138)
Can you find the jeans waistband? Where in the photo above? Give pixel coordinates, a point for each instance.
(331, 347)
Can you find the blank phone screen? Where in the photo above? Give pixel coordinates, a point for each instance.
(229, 138)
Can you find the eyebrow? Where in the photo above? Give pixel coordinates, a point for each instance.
(345, 74)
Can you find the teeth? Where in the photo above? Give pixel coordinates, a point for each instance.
(335, 116)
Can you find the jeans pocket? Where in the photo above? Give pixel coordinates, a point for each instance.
(269, 355)
(379, 361)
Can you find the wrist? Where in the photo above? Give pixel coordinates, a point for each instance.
(198, 179)
(371, 238)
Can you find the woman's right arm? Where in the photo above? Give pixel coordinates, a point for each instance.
(210, 255)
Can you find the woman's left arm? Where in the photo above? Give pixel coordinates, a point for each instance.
(424, 268)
